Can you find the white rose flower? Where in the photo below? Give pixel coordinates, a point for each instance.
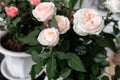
(44, 11)
(63, 24)
(113, 5)
(49, 37)
(87, 21)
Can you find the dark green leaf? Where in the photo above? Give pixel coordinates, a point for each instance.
(60, 55)
(108, 35)
(65, 72)
(54, 23)
(105, 42)
(93, 77)
(117, 73)
(45, 55)
(38, 67)
(81, 50)
(101, 41)
(1, 27)
(95, 69)
(105, 78)
(81, 1)
(72, 3)
(116, 30)
(31, 38)
(63, 46)
(16, 20)
(75, 63)
(7, 1)
(80, 76)
(35, 57)
(37, 49)
(32, 72)
(51, 68)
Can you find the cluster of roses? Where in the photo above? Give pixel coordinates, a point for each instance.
(13, 11)
(86, 21)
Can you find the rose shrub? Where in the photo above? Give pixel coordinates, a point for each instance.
(67, 43)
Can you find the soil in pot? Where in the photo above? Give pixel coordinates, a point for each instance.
(9, 43)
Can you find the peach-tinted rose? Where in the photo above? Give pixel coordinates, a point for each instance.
(34, 2)
(63, 24)
(113, 5)
(44, 11)
(49, 37)
(11, 11)
(87, 21)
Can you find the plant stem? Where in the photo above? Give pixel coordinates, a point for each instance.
(81, 1)
(51, 49)
(107, 17)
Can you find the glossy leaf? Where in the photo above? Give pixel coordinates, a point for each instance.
(60, 55)
(32, 72)
(105, 78)
(31, 38)
(54, 23)
(65, 72)
(38, 67)
(51, 68)
(75, 62)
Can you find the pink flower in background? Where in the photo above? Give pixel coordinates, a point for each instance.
(11, 11)
(34, 2)
(2, 3)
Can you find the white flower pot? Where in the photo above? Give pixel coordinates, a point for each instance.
(16, 65)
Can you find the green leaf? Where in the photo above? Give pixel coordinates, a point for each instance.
(37, 49)
(116, 30)
(71, 3)
(105, 42)
(60, 55)
(16, 20)
(54, 23)
(7, 1)
(81, 1)
(95, 69)
(38, 67)
(105, 78)
(101, 41)
(63, 46)
(75, 62)
(35, 57)
(51, 68)
(30, 39)
(32, 72)
(65, 72)
(1, 27)
(117, 73)
(81, 50)
(45, 55)
(80, 76)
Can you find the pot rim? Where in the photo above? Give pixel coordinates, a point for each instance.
(11, 53)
